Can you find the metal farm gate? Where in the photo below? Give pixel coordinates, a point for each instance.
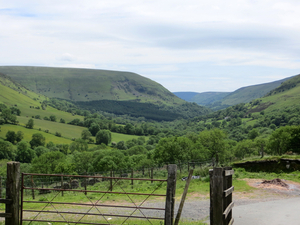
(97, 204)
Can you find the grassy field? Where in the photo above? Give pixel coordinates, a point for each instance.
(67, 131)
(29, 132)
(27, 102)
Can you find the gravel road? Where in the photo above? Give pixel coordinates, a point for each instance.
(278, 212)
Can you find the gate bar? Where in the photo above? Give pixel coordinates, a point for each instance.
(95, 214)
(86, 204)
(86, 176)
(56, 189)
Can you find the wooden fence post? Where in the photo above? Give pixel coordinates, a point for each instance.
(183, 197)
(221, 196)
(217, 196)
(12, 192)
(62, 185)
(211, 219)
(32, 185)
(111, 181)
(228, 189)
(0, 187)
(151, 175)
(170, 198)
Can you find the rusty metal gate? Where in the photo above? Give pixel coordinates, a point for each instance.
(97, 203)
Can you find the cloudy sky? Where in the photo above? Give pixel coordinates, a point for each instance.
(186, 45)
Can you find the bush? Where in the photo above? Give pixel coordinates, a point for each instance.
(57, 134)
(202, 172)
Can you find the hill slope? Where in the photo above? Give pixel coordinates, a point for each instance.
(90, 89)
(88, 85)
(187, 96)
(246, 94)
(286, 95)
(207, 98)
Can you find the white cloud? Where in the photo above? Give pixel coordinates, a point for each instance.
(159, 39)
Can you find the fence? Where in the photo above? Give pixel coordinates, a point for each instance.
(12, 194)
(13, 188)
(221, 196)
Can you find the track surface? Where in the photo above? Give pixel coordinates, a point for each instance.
(278, 212)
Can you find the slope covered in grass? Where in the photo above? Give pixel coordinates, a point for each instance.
(246, 94)
(87, 84)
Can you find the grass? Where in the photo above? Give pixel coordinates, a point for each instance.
(85, 84)
(29, 132)
(241, 173)
(67, 131)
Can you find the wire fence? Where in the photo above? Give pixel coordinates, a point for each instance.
(144, 172)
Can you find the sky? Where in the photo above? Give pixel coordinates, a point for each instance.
(185, 45)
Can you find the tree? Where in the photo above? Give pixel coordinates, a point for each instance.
(260, 145)
(244, 148)
(129, 128)
(169, 151)
(121, 145)
(2, 107)
(107, 160)
(7, 150)
(63, 148)
(51, 146)
(47, 162)
(30, 124)
(85, 134)
(295, 139)
(11, 136)
(8, 116)
(15, 111)
(79, 145)
(214, 141)
(53, 118)
(279, 140)
(83, 162)
(253, 134)
(24, 153)
(94, 128)
(19, 136)
(103, 136)
(136, 150)
(40, 150)
(37, 140)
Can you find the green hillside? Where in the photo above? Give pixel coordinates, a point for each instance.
(88, 84)
(86, 88)
(282, 97)
(185, 95)
(246, 94)
(207, 98)
(13, 94)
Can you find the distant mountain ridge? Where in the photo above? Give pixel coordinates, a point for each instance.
(221, 100)
(187, 96)
(122, 93)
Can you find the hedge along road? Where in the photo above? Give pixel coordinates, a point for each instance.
(277, 212)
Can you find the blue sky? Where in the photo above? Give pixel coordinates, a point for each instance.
(190, 45)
